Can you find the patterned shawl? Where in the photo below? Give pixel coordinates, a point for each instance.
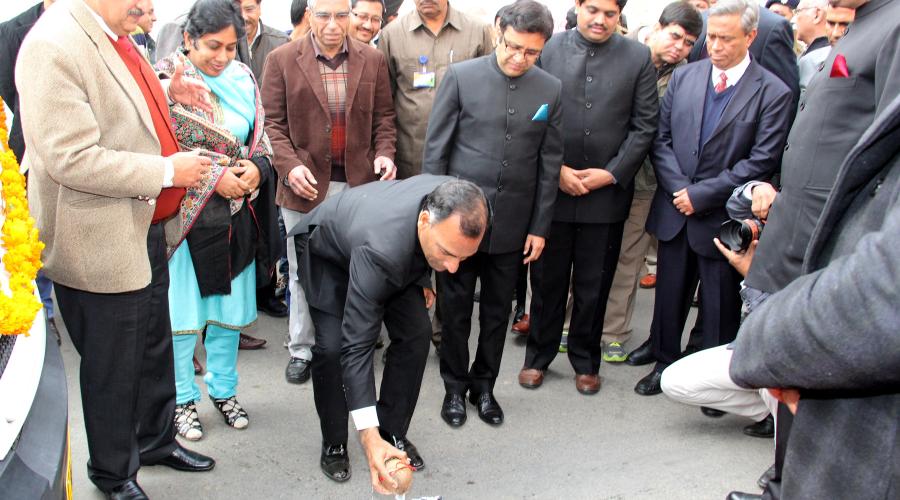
(196, 130)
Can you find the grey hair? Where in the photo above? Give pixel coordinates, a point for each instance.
(748, 10)
(311, 5)
(819, 4)
(460, 197)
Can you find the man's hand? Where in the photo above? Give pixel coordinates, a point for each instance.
(570, 183)
(189, 91)
(429, 297)
(790, 398)
(534, 246)
(377, 452)
(385, 167)
(595, 178)
(302, 181)
(763, 195)
(189, 168)
(231, 186)
(683, 202)
(740, 261)
(248, 172)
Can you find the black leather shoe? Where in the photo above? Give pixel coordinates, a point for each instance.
(297, 371)
(765, 428)
(488, 408)
(649, 385)
(453, 411)
(129, 490)
(186, 460)
(711, 412)
(273, 307)
(739, 495)
(768, 475)
(643, 355)
(335, 462)
(403, 444)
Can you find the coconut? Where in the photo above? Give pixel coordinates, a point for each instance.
(400, 472)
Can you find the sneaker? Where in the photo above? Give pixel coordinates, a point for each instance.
(231, 410)
(564, 341)
(614, 353)
(187, 421)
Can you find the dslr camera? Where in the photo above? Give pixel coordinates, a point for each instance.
(737, 234)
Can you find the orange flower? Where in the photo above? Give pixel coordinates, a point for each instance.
(23, 248)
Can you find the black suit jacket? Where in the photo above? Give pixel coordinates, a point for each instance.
(12, 33)
(833, 116)
(832, 334)
(610, 105)
(745, 145)
(358, 249)
(773, 48)
(482, 129)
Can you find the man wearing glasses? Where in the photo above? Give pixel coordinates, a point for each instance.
(497, 122)
(670, 41)
(330, 117)
(809, 19)
(610, 105)
(366, 20)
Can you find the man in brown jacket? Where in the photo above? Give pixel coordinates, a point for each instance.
(330, 117)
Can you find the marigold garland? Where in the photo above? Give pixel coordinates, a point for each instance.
(23, 248)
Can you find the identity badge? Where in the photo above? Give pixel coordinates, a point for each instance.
(422, 78)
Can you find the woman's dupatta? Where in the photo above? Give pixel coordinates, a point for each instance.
(196, 130)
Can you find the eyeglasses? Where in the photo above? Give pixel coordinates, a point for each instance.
(515, 49)
(327, 17)
(366, 18)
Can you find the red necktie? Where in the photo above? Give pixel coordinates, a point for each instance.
(125, 43)
(723, 81)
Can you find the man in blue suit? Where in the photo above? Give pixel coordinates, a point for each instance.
(723, 122)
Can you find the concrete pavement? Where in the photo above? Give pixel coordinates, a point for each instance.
(555, 443)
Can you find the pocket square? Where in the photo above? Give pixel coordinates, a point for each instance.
(839, 67)
(541, 115)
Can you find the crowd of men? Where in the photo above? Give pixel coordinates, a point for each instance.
(430, 161)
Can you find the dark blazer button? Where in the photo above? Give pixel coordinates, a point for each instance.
(508, 137)
(587, 131)
(499, 188)
(513, 86)
(588, 105)
(802, 106)
(591, 53)
(504, 163)
(787, 146)
(512, 111)
(590, 79)
(694, 152)
(327, 128)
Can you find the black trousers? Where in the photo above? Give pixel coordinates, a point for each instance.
(588, 253)
(498, 273)
(409, 330)
(127, 371)
(677, 270)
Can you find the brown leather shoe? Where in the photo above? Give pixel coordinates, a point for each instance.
(648, 281)
(587, 383)
(531, 378)
(249, 343)
(523, 326)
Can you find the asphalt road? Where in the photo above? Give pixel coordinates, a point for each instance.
(554, 444)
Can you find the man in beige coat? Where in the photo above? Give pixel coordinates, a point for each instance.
(105, 174)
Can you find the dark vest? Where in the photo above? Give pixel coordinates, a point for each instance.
(713, 109)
